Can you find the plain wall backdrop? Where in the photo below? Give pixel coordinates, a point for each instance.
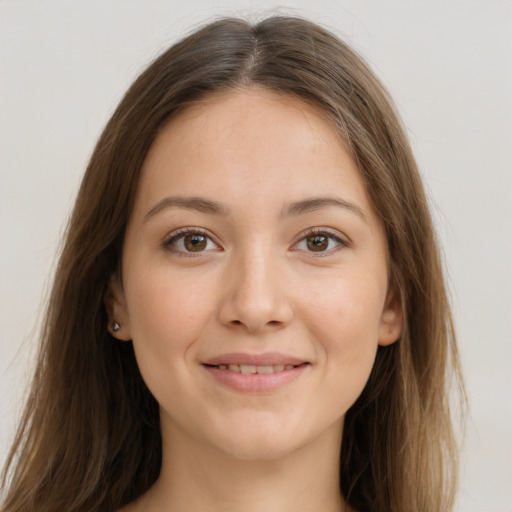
(448, 63)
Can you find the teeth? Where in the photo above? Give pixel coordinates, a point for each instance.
(248, 368)
(265, 369)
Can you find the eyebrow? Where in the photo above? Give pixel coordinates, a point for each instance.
(211, 207)
(198, 204)
(316, 203)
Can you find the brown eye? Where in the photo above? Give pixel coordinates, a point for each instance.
(321, 242)
(190, 243)
(195, 242)
(317, 243)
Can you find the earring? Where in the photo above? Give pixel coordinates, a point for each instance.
(115, 326)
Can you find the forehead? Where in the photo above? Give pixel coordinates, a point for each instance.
(252, 143)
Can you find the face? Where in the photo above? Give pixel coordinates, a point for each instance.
(254, 276)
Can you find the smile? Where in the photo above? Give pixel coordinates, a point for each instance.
(255, 373)
(250, 369)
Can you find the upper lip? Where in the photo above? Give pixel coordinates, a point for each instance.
(265, 359)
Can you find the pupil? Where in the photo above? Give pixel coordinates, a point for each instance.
(317, 243)
(195, 243)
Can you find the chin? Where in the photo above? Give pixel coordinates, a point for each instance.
(257, 449)
(259, 440)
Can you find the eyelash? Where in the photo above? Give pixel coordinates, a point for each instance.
(173, 237)
(313, 232)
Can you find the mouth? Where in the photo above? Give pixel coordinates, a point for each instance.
(248, 369)
(249, 373)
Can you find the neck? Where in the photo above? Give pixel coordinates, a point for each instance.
(201, 478)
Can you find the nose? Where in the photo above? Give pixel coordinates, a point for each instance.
(254, 294)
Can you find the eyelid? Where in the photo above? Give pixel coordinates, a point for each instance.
(342, 240)
(176, 234)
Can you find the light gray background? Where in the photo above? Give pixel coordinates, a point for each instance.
(65, 64)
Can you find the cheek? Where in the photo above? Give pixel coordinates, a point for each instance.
(166, 316)
(349, 306)
(344, 318)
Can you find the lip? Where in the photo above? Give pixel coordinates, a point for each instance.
(255, 383)
(268, 358)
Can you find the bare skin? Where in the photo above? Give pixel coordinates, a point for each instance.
(252, 234)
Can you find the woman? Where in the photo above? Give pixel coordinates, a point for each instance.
(249, 311)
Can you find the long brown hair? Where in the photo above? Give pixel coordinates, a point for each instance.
(90, 439)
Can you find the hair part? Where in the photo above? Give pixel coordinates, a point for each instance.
(89, 438)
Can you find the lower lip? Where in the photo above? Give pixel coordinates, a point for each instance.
(256, 382)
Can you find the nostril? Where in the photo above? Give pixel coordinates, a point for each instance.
(271, 322)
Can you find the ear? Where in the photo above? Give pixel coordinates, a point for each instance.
(391, 322)
(116, 310)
